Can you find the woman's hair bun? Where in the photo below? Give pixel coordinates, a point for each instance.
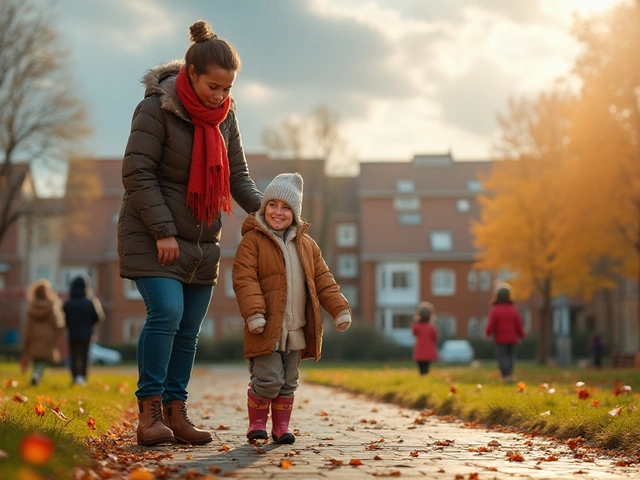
(201, 31)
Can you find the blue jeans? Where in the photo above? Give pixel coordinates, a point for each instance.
(506, 354)
(167, 343)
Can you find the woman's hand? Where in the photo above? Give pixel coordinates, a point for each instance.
(168, 251)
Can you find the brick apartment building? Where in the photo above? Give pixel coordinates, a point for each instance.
(396, 234)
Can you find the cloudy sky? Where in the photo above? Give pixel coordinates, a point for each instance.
(405, 76)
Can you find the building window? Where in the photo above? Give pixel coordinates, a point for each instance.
(441, 241)
(70, 273)
(228, 283)
(43, 271)
(131, 328)
(474, 185)
(351, 294)
(503, 275)
(401, 320)
(347, 235)
(446, 326)
(410, 219)
(207, 331)
(473, 328)
(483, 324)
(131, 292)
(472, 280)
(44, 235)
(398, 284)
(463, 205)
(347, 266)
(485, 280)
(405, 186)
(443, 282)
(406, 203)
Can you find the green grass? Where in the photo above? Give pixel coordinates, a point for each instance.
(480, 396)
(104, 400)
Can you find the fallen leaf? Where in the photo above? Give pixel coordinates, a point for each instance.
(355, 462)
(40, 409)
(59, 414)
(36, 448)
(140, 474)
(91, 423)
(516, 457)
(223, 448)
(285, 463)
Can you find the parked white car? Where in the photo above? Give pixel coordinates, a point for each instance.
(99, 355)
(456, 351)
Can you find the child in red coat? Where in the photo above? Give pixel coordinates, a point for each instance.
(505, 325)
(424, 351)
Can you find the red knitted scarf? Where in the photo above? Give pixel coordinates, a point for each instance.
(208, 191)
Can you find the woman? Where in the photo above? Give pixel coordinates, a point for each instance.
(183, 163)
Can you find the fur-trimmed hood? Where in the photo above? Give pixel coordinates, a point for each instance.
(161, 81)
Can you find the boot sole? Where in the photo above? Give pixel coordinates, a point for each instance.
(257, 435)
(285, 439)
(198, 442)
(155, 441)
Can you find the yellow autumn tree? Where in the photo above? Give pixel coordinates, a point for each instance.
(605, 136)
(525, 227)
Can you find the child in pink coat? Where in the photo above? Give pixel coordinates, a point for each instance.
(424, 351)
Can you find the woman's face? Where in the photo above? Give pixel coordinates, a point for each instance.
(214, 86)
(278, 215)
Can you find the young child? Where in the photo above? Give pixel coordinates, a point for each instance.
(281, 280)
(505, 325)
(44, 329)
(424, 351)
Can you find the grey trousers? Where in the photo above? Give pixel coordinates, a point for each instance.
(275, 375)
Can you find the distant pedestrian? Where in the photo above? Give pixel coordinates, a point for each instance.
(505, 324)
(83, 311)
(184, 166)
(596, 346)
(44, 329)
(281, 281)
(425, 349)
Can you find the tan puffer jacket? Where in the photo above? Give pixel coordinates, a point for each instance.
(44, 330)
(260, 284)
(155, 175)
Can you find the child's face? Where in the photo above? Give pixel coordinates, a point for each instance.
(278, 215)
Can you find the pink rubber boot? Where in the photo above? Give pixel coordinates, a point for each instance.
(280, 416)
(258, 412)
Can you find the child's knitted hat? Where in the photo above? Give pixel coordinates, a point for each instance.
(286, 187)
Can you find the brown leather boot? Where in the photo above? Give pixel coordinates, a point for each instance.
(151, 427)
(175, 412)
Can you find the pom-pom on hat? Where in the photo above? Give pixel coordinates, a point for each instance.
(286, 187)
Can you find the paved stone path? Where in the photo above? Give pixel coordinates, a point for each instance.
(343, 436)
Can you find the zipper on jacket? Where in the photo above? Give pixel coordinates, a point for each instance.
(199, 248)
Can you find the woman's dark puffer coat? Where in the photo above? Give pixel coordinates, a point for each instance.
(155, 175)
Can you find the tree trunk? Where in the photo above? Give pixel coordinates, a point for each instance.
(546, 320)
